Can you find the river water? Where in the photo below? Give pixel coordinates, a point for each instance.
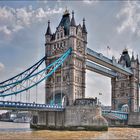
(15, 131)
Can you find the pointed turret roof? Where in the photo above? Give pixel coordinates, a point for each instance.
(73, 20)
(84, 30)
(48, 32)
(65, 22)
(125, 57)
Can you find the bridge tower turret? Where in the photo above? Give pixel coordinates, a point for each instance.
(48, 33)
(125, 89)
(68, 82)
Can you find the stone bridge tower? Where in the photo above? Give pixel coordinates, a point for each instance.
(125, 89)
(68, 82)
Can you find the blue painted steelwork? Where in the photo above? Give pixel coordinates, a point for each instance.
(24, 74)
(117, 115)
(48, 71)
(30, 76)
(8, 105)
(6, 85)
(101, 70)
(114, 65)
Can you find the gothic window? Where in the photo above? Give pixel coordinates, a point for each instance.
(57, 45)
(64, 43)
(61, 45)
(61, 35)
(58, 78)
(64, 78)
(79, 47)
(122, 85)
(79, 33)
(79, 44)
(122, 94)
(49, 79)
(57, 35)
(54, 47)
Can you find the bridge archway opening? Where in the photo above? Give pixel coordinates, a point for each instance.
(99, 86)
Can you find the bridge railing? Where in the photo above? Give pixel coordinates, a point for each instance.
(119, 115)
(28, 106)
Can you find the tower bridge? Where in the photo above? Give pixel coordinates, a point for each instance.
(67, 58)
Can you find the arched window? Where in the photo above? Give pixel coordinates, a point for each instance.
(57, 35)
(57, 45)
(61, 35)
(64, 43)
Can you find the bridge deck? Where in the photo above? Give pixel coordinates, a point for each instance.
(8, 105)
(115, 115)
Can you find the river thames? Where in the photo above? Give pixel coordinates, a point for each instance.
(9, 130)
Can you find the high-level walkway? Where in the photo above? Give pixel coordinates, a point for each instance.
(104, 61)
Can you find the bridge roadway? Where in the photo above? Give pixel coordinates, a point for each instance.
(115, 115)
(106, 62)
(8, 105)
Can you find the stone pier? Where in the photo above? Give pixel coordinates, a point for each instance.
(75, 117)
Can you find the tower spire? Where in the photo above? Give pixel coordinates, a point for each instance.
(48, 32)
(73, 20)
(66, 12)
(84, 30)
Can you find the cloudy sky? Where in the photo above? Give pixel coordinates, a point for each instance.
(23, 24)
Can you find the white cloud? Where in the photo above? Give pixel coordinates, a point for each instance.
(5, 30)
(12, 20)
(90, 1)
(130, 14)
(1, 66)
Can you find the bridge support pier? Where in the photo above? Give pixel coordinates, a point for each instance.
(72, 118)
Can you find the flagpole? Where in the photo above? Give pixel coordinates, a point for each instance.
(108, 48)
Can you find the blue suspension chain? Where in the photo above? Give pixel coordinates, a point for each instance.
(53, 67)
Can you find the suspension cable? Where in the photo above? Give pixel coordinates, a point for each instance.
(52, 69)
(39, 62)
(61, 82)
(36, 87)
(54, 89)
